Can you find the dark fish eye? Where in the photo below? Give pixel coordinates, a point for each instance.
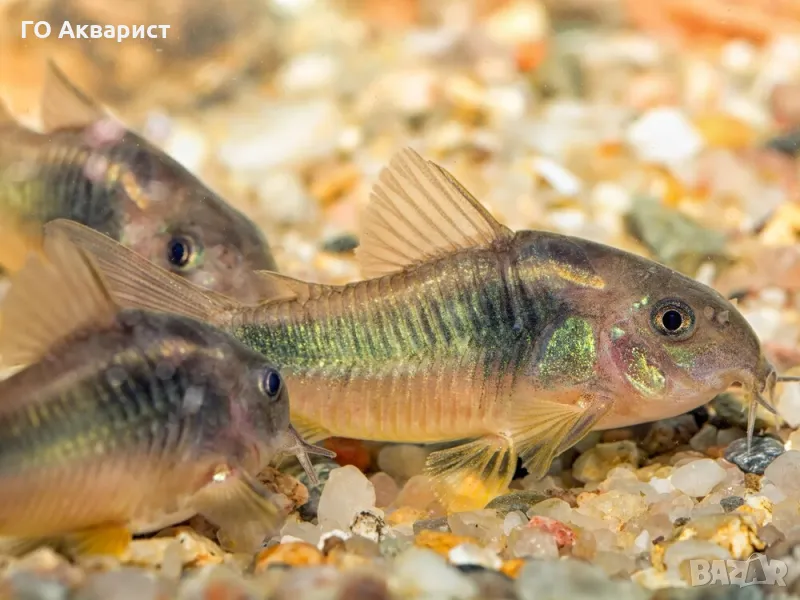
(271, 383)
(674, 319)
(180, 251)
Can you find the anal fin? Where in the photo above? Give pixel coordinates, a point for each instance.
(544, 429)
(241, 506)
(111, 540)
(468, 476)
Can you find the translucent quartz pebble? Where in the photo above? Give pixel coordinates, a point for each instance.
(698, 477)
(784, 472)
(347, 493)
(402, 461)
(530, 542)
(421, 573)
(573, 579)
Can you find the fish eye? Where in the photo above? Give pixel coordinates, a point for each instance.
(181, 251)
(271, 383)
(674, 319)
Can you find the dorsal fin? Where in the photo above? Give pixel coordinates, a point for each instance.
(57, 293)
(419, 212)
(63, 106)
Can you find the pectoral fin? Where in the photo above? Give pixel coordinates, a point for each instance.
(542, 429)
(468, 476)
(240, 505)
(308, 430)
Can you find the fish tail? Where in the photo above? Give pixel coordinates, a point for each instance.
(135, 282)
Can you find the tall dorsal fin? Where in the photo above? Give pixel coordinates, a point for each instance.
(64, 106)
(419, 212)
(57, 293)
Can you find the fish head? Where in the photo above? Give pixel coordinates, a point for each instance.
(181, 225)
(239, 390)
(670, 339)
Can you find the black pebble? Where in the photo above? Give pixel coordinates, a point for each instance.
(341, 244)
(788, 143)
(764, 450)
(731, 503)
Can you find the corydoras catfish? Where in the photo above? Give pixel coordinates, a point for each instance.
(85, 166)
(126, 421)
(522, 342)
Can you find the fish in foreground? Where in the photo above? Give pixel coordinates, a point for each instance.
(85, 166)
(126, 421)
(519, 342)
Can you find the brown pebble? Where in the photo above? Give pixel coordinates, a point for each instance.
(333, 544)
(752, 482)
(364, 587)
(282, 483)
(441, 542)
(296, 554)
(617, 435)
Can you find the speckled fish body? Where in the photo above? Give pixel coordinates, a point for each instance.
(126, 420)
(522, 341)
(85, 166)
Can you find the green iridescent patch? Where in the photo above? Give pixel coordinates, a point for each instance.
(571, 354)
(644, 376)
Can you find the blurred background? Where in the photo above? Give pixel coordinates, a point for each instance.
(667, 127)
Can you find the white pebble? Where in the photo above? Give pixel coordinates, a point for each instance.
(642, 541)
(698, 477)
(284, 198)
(308, 72)
(347, 493)
(513, 520)
(685, 550)
(738, 56)
(664, 135)
(561, 179)
(471, 554)
(788, 404)
(784, 472)
(534, 543)
(661, 485)
(420, 573)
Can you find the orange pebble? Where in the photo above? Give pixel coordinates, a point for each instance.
(725, 131)
(442, 542)
(350, 452)
(405, 515)
(296, 554)
(530, 55)
(512, 567)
